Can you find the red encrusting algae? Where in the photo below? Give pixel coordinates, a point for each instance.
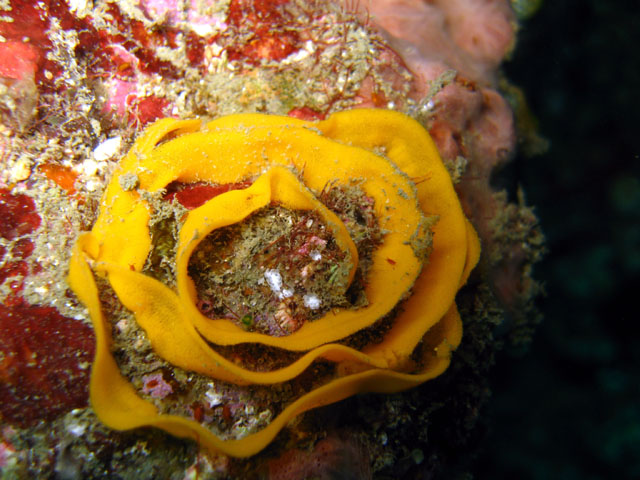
(270, 39)
(44, 356)
(194, 195)
(44, 364)
(19, 219)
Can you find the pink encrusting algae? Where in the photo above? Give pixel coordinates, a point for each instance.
(155, 386)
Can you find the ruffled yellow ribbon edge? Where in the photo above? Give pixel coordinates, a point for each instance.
(119, 406)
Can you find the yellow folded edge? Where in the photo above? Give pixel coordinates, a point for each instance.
(117, 404)
(456, 247)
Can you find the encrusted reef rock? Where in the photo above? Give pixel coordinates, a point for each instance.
(265, 229)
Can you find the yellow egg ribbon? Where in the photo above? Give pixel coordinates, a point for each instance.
(396, 164)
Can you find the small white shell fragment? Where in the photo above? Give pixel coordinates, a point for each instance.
(21, 170)
(107, 149)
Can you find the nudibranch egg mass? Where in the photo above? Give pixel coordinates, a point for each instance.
(398, 335)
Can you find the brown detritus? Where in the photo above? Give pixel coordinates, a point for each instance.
(271, 273)
(18, 101)
(375, 333)
(78, 445)
(260, 358)
(530, 141)
(517, 244)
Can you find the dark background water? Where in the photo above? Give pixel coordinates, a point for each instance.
(569, 408)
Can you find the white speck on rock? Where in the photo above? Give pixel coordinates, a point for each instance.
(76, 429)
(429, 106)
(311, 301)
(90, 167)
(274, 280)
(80, 7)
(92, 185)
(214, 399)
(41, 290)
